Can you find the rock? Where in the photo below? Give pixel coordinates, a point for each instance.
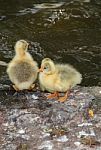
(62, 138)
(46, 145)
(30, 121)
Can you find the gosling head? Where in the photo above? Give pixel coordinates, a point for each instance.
(21, 47)
(47, 66)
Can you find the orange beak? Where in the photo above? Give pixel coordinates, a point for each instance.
(40, 70)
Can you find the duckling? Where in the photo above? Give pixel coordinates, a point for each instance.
(56, 78)
(22, 70)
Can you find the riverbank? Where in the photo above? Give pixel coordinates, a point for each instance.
(31, 122)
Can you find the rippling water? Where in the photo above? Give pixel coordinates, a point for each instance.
(68, 31)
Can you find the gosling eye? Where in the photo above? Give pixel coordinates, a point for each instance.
(45, 67)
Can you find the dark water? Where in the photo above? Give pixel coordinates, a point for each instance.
(67, 31)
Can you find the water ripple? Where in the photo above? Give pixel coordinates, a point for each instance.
(48, 5)
(26, 11)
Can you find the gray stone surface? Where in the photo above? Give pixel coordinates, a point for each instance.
(29, 121)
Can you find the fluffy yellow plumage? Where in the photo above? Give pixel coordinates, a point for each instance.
(58, 77)
(22, 69)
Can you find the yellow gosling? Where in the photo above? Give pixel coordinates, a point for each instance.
(22, 70)
(56, 78)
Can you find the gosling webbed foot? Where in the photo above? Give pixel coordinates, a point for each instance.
(64, 98)
(54, 95)
(31, 87)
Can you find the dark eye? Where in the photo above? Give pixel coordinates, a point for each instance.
(45, 67)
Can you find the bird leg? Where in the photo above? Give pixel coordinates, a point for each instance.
(15, 88)
(64, 98)
(31, 87)
(55, 94)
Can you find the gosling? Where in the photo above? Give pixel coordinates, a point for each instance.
(22, 69)
(56, 78)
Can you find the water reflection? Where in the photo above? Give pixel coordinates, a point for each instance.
(68, 32)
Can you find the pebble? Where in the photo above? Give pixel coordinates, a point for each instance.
(84, 124)
(21, 131)
(34, 97)
(77, 143)
(62, 138)
(46, 145)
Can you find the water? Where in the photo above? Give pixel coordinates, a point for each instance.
(67, 31)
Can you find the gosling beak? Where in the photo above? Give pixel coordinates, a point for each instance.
(40, 70)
